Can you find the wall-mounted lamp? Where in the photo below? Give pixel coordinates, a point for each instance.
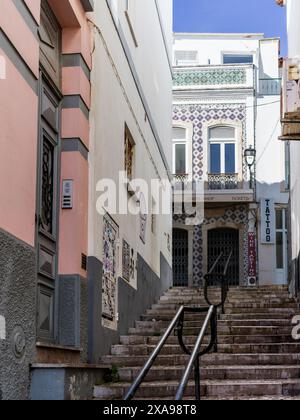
(250, 157)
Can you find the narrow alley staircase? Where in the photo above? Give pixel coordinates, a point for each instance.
(257, 358)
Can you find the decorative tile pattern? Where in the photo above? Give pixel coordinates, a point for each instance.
(198, 115)
(238, 216)
(109, 283)
(126, 261)
(210, 77)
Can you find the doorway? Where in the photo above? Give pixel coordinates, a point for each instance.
(225, 240)
(180, 258)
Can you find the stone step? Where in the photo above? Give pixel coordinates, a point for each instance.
(222, 339)
(215, 359)
(229, 306)
(226, 325)
(175, 373)
(169, 349)
(259, 314)
(226, 388)
(230, 299)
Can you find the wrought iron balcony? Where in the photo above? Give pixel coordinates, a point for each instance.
(181, 177)
(223, 182)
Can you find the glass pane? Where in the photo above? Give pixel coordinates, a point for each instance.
(179, 133)
(222, 133)
(180, 159)
(215, 158)
(47, 213)
(279, 219)
(45, 311)
(230, 158)
(238, 59)
(279, 250)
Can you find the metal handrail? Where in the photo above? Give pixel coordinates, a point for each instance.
(221, 278)
(215, 264)
(194, 361)
(132, 391)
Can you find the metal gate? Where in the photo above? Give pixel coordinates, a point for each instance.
(225, 240)
(180, 258)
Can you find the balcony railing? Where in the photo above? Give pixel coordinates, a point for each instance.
(181, 177)
(203, 77)
(223, 182)
(269, 87)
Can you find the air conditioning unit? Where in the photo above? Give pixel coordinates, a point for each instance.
(252, 282)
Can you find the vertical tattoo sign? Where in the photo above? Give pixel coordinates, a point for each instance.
(267, 221)
(251, 255)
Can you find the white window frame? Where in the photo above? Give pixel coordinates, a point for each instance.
(188, 127)
(186, 63)
(222, 142)
(238, 54)
(282, 273)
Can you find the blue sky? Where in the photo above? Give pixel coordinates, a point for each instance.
(231, 16)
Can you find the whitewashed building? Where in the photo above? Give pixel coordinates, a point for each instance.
(291, 131)
(226, 103)
(131, 120)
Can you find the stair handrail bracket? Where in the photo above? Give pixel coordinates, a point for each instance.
(194, 362)
(177, 325)
(219, 277)
(145, 370)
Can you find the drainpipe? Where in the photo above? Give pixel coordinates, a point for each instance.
(255, 91)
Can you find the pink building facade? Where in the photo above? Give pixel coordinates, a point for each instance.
(45, 59)
(77, 91)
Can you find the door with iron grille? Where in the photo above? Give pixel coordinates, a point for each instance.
(180, 258)
(48, 174)
(225, 240)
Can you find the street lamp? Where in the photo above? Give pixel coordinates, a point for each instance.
(250, 155)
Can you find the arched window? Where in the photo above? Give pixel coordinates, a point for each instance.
(222, 150)
(180, 153)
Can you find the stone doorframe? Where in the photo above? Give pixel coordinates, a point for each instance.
(190, 230)
(224, 225)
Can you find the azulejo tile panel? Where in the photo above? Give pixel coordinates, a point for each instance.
(198, 114)
(209, 77)
(238, 216)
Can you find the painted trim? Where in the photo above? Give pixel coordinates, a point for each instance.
(164, 37)
(20, 65)
(140, 91)
(75, 102)
(74, 145)
(27, 16)
(76, 60)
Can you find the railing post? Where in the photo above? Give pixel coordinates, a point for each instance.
(197, 379)
(214, 331)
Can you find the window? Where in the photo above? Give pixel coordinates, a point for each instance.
(237, 59)
(222, 150)
(281, 239)
(180, 156)
(186, 58)
(129, 154)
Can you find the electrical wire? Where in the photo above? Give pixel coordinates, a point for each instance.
(268, 143)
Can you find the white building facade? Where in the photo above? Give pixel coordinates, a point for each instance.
(291, 131)
(226, 100)
(131, 118)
